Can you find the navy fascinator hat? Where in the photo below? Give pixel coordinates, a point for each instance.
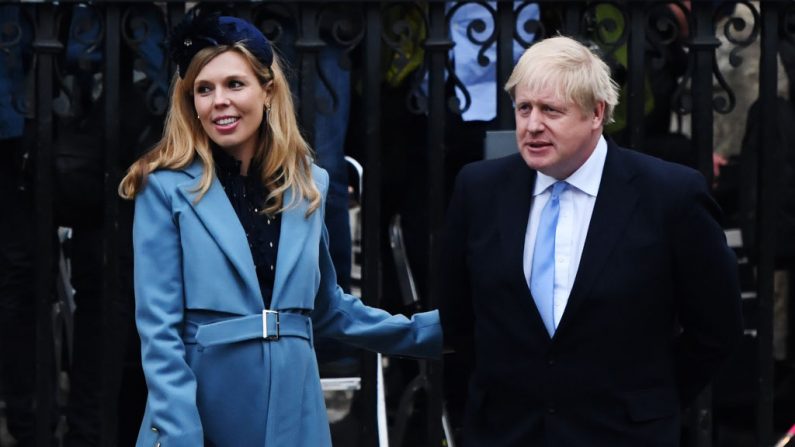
(196, 32)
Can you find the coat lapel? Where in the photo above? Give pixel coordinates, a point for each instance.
(292, 239)
(514, 200)
(614, 205)
(219, 218)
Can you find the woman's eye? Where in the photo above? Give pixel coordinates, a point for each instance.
(235, 84)
(202, 89)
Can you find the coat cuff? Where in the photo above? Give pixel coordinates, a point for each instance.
(192, 438)
(429, 334)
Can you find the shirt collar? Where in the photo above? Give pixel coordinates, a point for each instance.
(229, 167)
(224, 162)
(587, 178)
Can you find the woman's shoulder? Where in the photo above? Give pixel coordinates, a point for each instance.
(320, 177)
(170, 179)
(179, 175)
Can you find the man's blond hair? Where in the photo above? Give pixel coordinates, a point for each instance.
(571, 69)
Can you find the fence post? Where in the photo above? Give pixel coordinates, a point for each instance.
(46, 46)
(636, 65)
(505, 21)
(371, 210)
(111, 352)
(308, 46)
(766, 203)
(703, 44)
(437, 46)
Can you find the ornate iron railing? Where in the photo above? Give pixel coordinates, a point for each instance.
(90, 61)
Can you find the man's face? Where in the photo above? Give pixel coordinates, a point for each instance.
(554, 136)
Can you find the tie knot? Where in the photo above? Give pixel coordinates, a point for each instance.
(558, 188)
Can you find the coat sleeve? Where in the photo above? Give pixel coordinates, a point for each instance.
(707, 290)
(159, 309)
(455, 305)
(344, 317)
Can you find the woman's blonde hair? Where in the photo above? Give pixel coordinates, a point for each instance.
(284, 157)
(577, 74)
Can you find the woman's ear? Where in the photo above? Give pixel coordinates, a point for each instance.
(267, 92)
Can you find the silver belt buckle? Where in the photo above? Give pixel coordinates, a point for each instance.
(265, 335)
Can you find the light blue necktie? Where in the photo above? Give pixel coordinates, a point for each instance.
(542, 274)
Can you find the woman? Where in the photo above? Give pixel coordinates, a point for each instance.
(232, 272)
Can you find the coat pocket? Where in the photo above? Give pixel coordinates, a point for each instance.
(652, 404)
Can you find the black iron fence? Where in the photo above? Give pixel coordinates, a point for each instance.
(90, 83)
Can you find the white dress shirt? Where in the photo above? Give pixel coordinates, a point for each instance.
(576, 207)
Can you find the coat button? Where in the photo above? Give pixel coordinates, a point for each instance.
(551, 410)
(551, 362)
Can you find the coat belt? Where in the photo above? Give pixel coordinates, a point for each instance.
(267, 326)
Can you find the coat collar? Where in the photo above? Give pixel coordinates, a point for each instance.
(292, 240)
(218, 217)
(614, 205)
(615, 202)
(514, 197)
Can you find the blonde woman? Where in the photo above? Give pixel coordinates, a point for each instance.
(233, 278)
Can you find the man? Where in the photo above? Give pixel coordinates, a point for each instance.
(590, 286)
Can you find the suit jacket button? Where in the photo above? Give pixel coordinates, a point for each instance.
(550, 362)
(551, 410)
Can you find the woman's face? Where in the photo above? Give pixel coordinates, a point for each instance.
(230, 103)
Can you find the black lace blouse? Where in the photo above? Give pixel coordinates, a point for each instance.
(247, 195)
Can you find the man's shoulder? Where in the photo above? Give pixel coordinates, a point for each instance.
(489, 170)
(652, 167)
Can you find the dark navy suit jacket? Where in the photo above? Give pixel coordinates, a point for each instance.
(654, 309)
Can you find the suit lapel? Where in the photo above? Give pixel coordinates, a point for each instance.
(292, 240)
(219, 218)
(614, 205)
(514, 205)
(514, 200)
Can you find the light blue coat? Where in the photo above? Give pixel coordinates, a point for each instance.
(193, 266)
